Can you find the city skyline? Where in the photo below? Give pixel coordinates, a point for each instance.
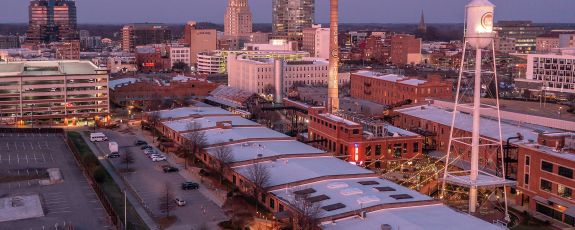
(373, 11)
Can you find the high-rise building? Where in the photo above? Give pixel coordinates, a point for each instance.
(52, 21)
(200, 40)
(144, 34)
(238, 18)
(524, 33)
(405, 49)
(290, 17)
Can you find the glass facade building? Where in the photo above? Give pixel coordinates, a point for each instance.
(52, 21)
(290, 17)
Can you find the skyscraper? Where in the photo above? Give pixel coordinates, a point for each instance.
(238, 18)
(52, 21)
(144, 34)
(290, 17)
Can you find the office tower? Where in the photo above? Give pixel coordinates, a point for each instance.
(316, 41)
(290, 17)
(524, 33)
(199, 40)
(238, 18)
(144, 34)
(52, 21)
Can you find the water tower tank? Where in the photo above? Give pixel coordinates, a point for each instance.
(479, 31)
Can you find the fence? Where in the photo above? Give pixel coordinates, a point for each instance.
(114, 218)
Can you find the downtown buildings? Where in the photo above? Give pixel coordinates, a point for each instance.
(238, 18)
(524, 33)
(316, 41)
(291, 17)
(52, 92)
(52, 21)
(553, 73)
(134, 35)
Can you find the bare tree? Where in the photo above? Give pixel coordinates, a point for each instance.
(195, 142)
(128, 159)
(153, 119)
(167, 200)
(225, 157)
(307, 216)
(260, 176)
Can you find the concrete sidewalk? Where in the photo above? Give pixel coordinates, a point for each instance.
(148, 220)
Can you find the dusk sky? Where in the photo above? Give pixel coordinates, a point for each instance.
(352, 11)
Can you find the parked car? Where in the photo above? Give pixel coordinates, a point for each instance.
(149, 151)
(146, 147)
(180, 202)
(190, 185)
(155, 155)
(113, 155)
(169, 169)
(159, 158)
(140, 142)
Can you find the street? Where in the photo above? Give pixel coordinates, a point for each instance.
(149, 182)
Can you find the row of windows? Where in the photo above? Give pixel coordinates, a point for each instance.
(561, 171)
(562, 190)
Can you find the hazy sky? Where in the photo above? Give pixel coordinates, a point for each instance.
(352, 11)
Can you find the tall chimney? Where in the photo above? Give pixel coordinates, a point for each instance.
(279, 80)
(332, 83)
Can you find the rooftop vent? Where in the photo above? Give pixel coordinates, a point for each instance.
(305, 191)
(368, 182)
(332, 207)
(401, 196)
(384, 189)
(319, 198)
(386, 227)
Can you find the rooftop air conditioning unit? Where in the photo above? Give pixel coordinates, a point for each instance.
(363, 214)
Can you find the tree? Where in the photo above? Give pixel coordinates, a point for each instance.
(167, 200)
(260, 176)
(195, 141)
(128, 159)
(181, 67)
(269, 89)
(308, 212)
(225, 157)
(154, 118)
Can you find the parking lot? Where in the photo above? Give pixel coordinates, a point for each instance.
(149, 181)
(26, 156)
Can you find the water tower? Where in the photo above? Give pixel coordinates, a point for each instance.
(473, 74)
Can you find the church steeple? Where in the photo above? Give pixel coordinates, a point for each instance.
(422, 27)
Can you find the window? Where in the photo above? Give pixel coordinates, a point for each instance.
(272, 203)
(356, 131)
(527, 160)
(546, 166)
(368, 150)
(564, 191)
(378, 150)
(415, 147)
(526, 181)
(546, 185)
(566, 172)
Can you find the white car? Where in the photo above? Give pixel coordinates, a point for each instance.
(149, 151)
(180, 202)
(155, 155)
(159, 158)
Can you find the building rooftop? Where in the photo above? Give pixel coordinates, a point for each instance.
(391, 77)
(284, 171)
(339, 119)
(428, 217)
(262, 149)
(216, 136)
(354, 194)
(113, 84)
(191, 111)
(208, 122)
(49, 68)
(489, 126)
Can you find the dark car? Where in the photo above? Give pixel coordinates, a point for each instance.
(140, 142)
(190, 185)
(146, 147)
(113, 155)
(169, 169)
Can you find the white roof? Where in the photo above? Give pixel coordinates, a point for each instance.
(250, 150)
(338, 119)
(285, 171)
(354, 195)
(400, 131)
(189, 111)
(391, 77)
(208, 122)
(413, 81)
(428, 217)
(464, 121)
(123, 81)
(215, 136)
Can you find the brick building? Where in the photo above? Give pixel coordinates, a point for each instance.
(405, 49)
(392, 89)
(370, 144)
(150, 94)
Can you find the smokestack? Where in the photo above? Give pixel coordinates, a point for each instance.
(279, 80)
(332, 83)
